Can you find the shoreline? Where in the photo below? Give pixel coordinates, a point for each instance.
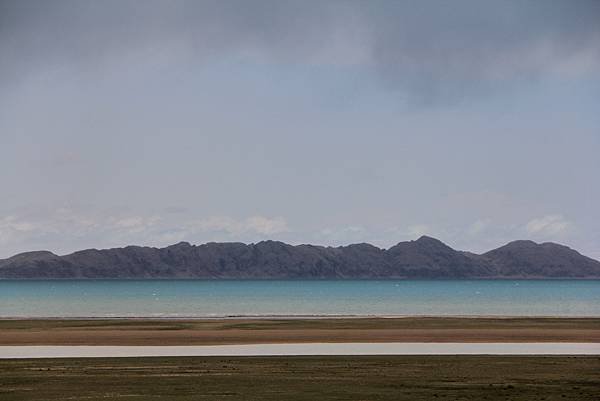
(297, 349)
(286, 330)
(402, 278)
(290, 317)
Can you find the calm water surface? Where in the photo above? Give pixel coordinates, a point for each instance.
(199, 298)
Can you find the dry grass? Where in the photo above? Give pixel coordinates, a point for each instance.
(240, 331)
(411, 378)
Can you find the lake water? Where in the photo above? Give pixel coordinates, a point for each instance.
(203, 298)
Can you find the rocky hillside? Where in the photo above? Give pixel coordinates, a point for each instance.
(424, 258)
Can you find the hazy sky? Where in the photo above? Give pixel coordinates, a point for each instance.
(328, 122)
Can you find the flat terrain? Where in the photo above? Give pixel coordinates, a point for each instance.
(411, 378)
(262, 331)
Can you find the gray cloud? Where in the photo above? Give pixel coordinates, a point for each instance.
(67, 229)
(189, 120)
(425, 48)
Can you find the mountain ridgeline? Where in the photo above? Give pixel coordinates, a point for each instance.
(425, 258)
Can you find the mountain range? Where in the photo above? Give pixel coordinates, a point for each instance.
(424, 258)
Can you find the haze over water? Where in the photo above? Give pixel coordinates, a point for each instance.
(199, 298)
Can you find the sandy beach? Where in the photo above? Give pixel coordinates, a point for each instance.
(303, 349)
(165, 332)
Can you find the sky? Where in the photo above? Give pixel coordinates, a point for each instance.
(326, 122)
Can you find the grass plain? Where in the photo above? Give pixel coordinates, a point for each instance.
(413, 378)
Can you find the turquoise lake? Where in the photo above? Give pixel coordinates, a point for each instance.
(205, 298)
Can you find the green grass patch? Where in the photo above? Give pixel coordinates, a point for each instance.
(411, 378)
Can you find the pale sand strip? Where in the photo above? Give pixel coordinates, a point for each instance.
(20, 352)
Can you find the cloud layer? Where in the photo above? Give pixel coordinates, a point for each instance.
(426, 49)
(66, 229)
(331, 122)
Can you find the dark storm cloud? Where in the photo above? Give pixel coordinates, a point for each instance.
(438, 48)
(151, 122)
(35, 34)
(430, 47)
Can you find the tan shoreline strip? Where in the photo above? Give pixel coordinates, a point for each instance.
(264, 331)
(316, 349)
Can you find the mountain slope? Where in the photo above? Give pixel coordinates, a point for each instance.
(430, 258)
(543, 260)
(424, 258)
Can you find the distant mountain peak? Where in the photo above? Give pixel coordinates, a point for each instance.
(33, 254)
(427, 238)
(181, 244)
(528, 244)
(521, 242)
(423, 240)
(362, 245)
(426, 257)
